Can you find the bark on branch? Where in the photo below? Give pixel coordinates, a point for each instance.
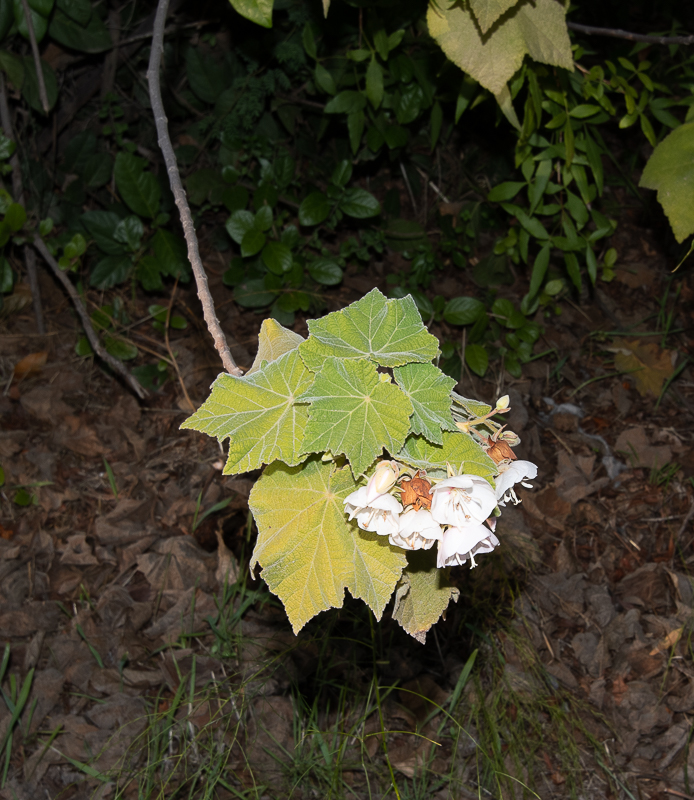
(179, 194)
(617, 33)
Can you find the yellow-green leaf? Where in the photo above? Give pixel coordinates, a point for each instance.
(309, 552)
(354, 412)
(258, 11)
(389, 332)
(537, 29)
(274, 340)
(257, 414)
(487, 12)
(459, 450)
(423, 594)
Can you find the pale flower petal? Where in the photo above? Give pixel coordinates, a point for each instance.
(379, 516)
(417, 530)
(462, 500)
(516, 472)
(462, 544)
(382, 481)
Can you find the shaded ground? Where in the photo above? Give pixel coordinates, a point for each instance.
(157, 667)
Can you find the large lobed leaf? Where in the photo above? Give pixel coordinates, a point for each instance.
(274, 340)
(355, 412)
(309, 552)
(670, 170)
(257, 414)
(423, 594)
(389, 332)
(537, 29)
(429, 391)
(459, 450)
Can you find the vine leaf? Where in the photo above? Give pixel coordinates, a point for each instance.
(670, 170)
(537, 29)
(356, 412)
(389, 332)
(458, 450)
(309, 552)
(257, 414)
(429, 391)
(274, 340)
(423, 594)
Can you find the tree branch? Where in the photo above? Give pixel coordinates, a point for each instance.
(617, 33)
(114, 363)
(179, 194)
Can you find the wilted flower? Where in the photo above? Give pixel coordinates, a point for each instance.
(462, 544)
(416, 491)
(462, 500)
(417, 530)
(383, 479)
(514, 473)
(380, 515)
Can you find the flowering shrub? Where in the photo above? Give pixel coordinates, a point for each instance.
(377, 477)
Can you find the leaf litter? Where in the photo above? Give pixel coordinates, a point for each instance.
(151, 645)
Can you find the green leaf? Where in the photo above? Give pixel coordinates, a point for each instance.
(129, 232)
(79, 10)
(110, 271)
(258, 415)
(253, 294)
(277, 257)
(459, 450)
(14, 67)
(584, 110)
(90, 38)
(258, 11)
(148, 272)
(15, 217)
(537, 29)
(325, 272)
(539, 271)
(477, 358)
(98, 170)
(487, 12)
(389, 332)
(354, 412)
(7, 17)
(314, 209)
(359, 203)
(464, 310)
(123, 351)
(423, 594)
(346, 103)
(531, 224)
(355, 128)
(239, 223)
(253, 242)
(102, 228)
(342, 173)
(374, 82)
(429, 391)
(309, 552)
(273, 342)
(172, 254)
(435, 121)
(505, 191)
(6, 276)
(30, 86)
(39, 21)
(140, 190)
(670, 171)
(324, 79)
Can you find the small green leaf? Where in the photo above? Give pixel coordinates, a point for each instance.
(505, 191)
(253, 294)
(258, 11)
(253, 242)
(354, 412)
(324, 79)
(110, 271)
(464, 310)
(102, 228)
(346, 103)
(277, 257)
(15, 217)
(314, 209)
(359, 203)
(139, 189)
(239, 223)
(325, 272)
(120, 349)
(477, 358)
(374, 82)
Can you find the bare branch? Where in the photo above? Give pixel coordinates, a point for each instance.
(37, 58)
(114, 363)
(179, 194)
(617, 33)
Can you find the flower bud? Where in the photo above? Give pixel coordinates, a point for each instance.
(382, 480)
(502, 403)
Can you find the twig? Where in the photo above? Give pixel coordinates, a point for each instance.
(114, 363)
(617, 33)
(168, 347)
(164, 141)
(409, 188)
(37, 58)
(18, 193)
(690, 514)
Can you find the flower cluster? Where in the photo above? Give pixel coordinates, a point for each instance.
(456, 512)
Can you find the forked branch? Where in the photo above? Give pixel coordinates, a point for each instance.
(179, 194)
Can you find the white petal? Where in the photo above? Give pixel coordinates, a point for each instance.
(516, 472)
(458, 544)
(358, 498)
(462, 500)
(420, 522)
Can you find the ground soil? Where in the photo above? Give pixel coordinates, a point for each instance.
(108, 596)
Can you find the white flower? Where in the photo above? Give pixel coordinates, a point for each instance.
(513, 473)
(380, 515)
(460, 544)
(383, 479)
(462, 500)
(417, 530)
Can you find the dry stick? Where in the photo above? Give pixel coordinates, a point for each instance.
(617, 33)
(164, 141)
(37, 58)
(168, 347)
(114, 363)
(18, 192)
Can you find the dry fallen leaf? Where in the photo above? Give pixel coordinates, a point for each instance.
(30, 365)
(667, 642)
(649, 364)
